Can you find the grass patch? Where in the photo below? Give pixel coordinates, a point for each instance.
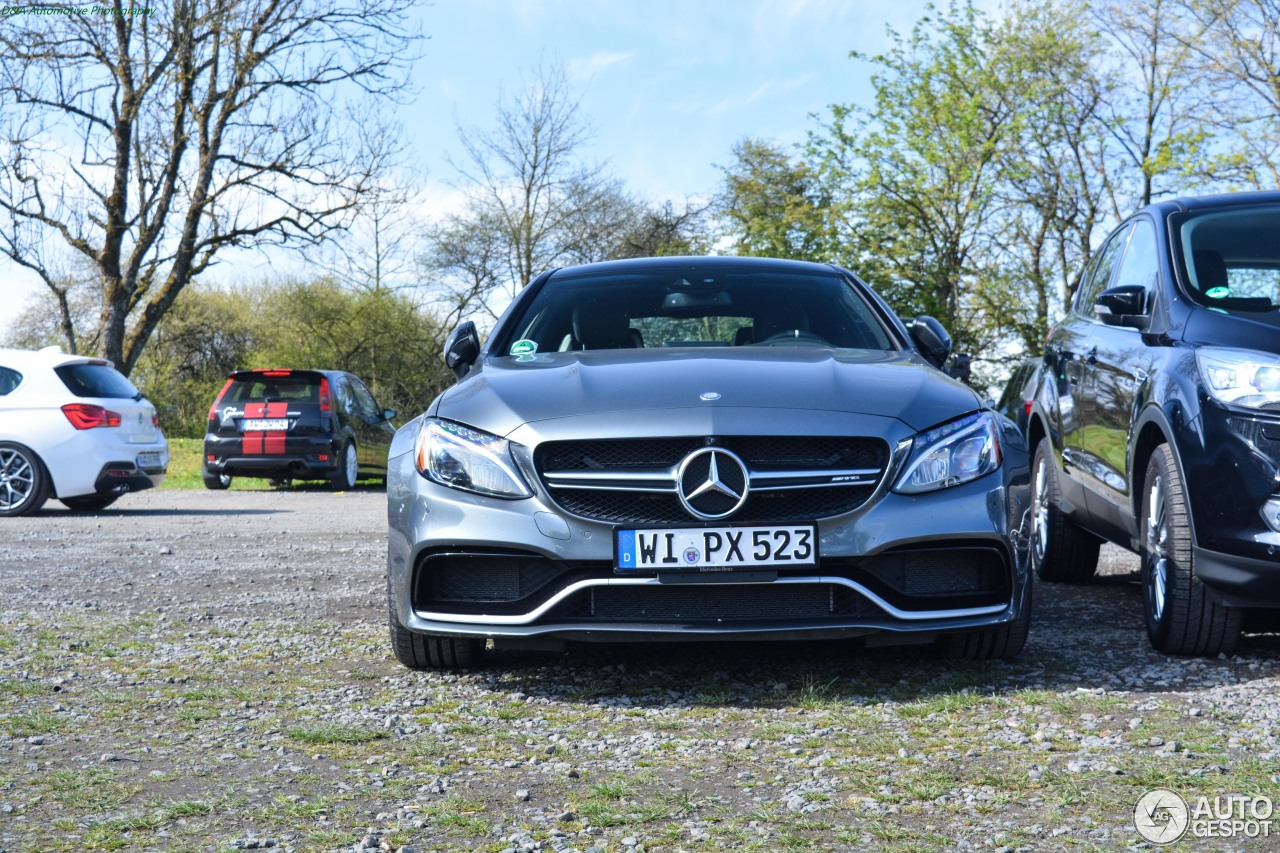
(334, 733)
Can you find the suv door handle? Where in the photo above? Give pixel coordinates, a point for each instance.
(1092, 357)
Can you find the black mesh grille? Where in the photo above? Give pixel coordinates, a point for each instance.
(950, 572)
(638, 508)
(715, 603)
(761, 453)
(483, 577)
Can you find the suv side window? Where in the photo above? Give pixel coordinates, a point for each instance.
(9, 379)
(1100, 276)
(1141, 263)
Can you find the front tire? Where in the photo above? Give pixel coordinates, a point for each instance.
(89, 503)
(24, 483)
(1001, 642)
(348, 469)
(1181, 618)
(430, 651)
(1062, 552)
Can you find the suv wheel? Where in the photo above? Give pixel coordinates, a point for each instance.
(1061, 551)
(212, 480)
(24, 485)
(348, 470)
(1181, 619)
(429, 651)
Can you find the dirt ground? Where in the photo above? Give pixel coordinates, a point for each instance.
(211, 671)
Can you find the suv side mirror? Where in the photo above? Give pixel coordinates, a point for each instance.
(931, 339)
(462, 349)
(388, 414)
(1123, 306)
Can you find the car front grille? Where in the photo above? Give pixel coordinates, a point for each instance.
(633, 481)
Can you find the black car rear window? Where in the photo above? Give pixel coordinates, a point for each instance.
(302, 389)
(97, 380)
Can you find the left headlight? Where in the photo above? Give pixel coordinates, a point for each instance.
(952, 454)
(463, 458)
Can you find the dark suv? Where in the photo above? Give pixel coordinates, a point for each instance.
(1156, 423)
(296, 425)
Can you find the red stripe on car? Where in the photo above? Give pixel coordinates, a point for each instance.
(253, 444)
(273, 442)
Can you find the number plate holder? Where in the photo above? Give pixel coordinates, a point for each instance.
(712, 548)
(265, 424)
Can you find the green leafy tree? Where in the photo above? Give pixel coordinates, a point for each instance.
(774, 205)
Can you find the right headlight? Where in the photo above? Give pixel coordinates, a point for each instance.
(1240, 377)
(464, 458)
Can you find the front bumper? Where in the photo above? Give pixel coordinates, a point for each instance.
(451, 555)
(1231, 462)
(304, 457)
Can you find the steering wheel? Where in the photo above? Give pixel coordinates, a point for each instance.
(796, 335)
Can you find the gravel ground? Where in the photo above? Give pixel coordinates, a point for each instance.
(211, 671)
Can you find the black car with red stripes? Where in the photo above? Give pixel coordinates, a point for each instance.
(296, 425)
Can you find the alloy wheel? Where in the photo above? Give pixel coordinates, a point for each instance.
(17, 479)
(1157, 542)
(1040, 509)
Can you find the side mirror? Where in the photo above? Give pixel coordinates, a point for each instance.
(462, 349)
(388, 414)
(931, 340)
(1123, 306)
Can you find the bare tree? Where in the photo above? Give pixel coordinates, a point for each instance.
(533, 201)
(149, 142)
(1240, 57)
(1158, 120)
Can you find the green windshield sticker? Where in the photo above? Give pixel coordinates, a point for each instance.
(524, 347)
(1218, 292)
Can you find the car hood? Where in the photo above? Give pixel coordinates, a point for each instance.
(506, 392)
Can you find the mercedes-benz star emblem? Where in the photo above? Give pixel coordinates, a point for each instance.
(712, 483)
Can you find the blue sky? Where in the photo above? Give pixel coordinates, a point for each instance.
(667, 85)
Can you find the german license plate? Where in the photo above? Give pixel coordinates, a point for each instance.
(265, 424)
(148, 459)
(715, 548)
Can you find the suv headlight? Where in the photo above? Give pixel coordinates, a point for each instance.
(463, 458)
(952, 454)
(1240, 377)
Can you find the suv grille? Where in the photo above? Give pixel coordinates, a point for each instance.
(633, 481)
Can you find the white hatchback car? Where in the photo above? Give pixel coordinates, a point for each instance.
(73, 428)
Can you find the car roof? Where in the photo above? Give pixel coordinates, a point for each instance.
(47, 357)
(725, 262)
(1214, 202)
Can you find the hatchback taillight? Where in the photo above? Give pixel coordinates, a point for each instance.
(213, 410)
(326, 404)
(85, 416)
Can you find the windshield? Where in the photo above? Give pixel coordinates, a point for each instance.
(1231, 258)
(690, 307)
